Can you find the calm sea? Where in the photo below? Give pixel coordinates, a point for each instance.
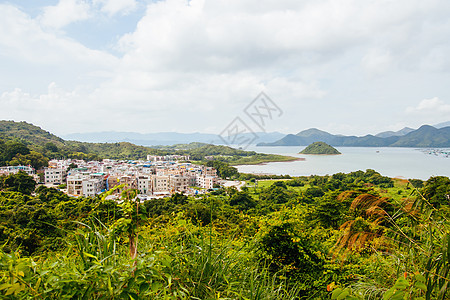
(392, 162)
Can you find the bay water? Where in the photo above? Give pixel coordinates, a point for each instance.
(393, 162)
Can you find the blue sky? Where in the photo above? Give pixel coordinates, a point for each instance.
(345, 66)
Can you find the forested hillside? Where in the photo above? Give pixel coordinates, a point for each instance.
(346, 236)
(24, 143)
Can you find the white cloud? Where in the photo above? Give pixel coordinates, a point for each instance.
(65, 12)
(50, 110)
(430, 106)
(377, 61)
(23, 38)
(42, 56)
(437, 59)
(429, 111)
(205, 60)
(229, 35)
(112, 7)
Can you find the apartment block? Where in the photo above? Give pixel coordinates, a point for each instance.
(160, 183)
(209, 171)
(85, 185)
(206, 182)
(54, 175)
(158, 176)
(16, 169)
(75, 184)
(144, 183)
(178, 183)
(92, 187)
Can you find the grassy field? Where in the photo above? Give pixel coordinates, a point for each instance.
(400, 190)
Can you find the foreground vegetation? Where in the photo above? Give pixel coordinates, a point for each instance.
(346, 236)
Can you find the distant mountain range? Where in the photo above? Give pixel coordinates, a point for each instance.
(442, 125)
(162, 138)
(401, 132)
(425, 136)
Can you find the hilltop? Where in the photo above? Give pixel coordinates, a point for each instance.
(320, 148)
(27, 133)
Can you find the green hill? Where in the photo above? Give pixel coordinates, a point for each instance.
(320, 148)
(27, 133)
(23, 138)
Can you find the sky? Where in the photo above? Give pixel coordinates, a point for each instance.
(344, 66)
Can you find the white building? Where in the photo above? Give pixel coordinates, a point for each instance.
(206, 182)
(15, 169)
(160, 183)
(92, 186)
(54, 175)
(209, 171)
(167, 157)
(163, 176)
(59, 163)
(144, 183)
(85, 185)
(75, 184)
(178, 183)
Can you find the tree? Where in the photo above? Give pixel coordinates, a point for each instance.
(2, 151)
(231, 190)
(19, 182)
(35, 159)
(436, 190)
(72, 166)
(47, 195)
(200, 214)
(318, 180)
(329, 211)
(224, 170)
(417, 183)
(51, 147)
(79, 155)
(19, 160)
(12, 148)
(287, 248)
(243, 200)
(129, 223)
(179, 198)
(313, 192)
(277, 193)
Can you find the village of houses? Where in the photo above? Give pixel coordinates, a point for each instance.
(158, 176)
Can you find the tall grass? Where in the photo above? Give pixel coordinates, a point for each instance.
(417, 264)
(182, 261)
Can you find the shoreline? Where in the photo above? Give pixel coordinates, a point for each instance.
(319, 154)
(266, 162)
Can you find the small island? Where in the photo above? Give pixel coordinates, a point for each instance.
(320, 148)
